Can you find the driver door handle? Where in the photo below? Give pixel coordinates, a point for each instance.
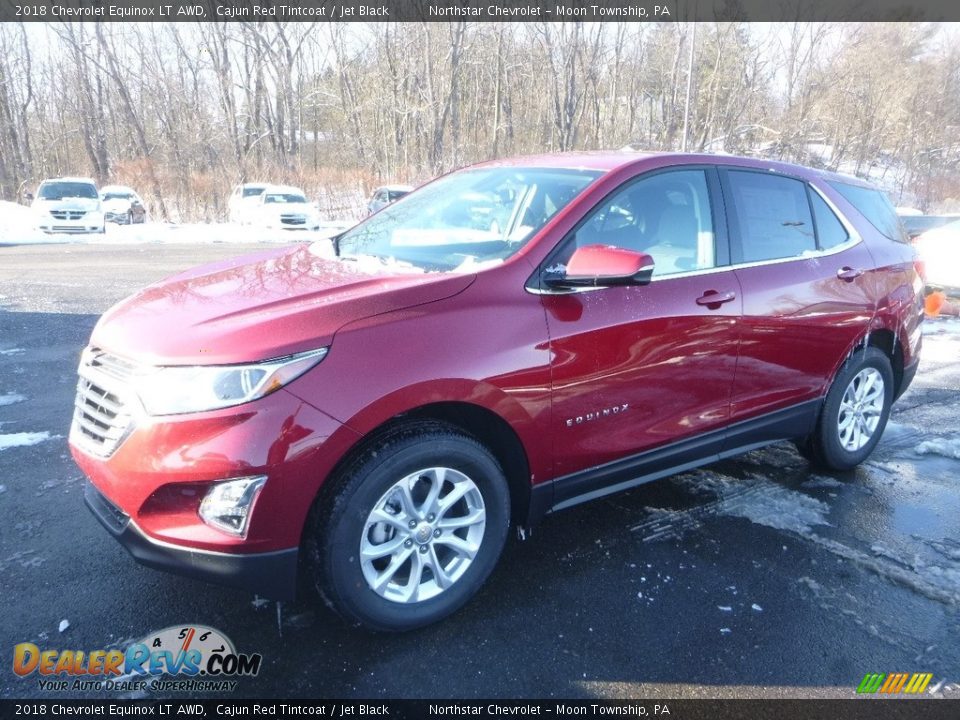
(713, 299)
(848, 273)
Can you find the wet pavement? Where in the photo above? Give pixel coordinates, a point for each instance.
(754, 577)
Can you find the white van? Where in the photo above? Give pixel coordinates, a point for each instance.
(69, 205)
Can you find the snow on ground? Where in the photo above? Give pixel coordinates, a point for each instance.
(948, 447)
(778, 507)
(10, 399)
(22, 439)
(17, 227)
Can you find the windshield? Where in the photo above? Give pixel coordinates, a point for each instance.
(481, 215)
(284, 198)
(61, 190)
(251, 191)
(117, 196)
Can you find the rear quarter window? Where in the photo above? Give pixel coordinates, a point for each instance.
(876, 207)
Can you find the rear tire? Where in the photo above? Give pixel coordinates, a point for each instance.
(412, 529)
(854, 413)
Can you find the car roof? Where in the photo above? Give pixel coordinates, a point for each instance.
(69, 179)
(276, 189)
(609, 161)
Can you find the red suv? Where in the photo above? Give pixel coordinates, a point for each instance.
(372, 417)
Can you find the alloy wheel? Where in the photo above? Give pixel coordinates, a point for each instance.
(860, 409)
(422, 535)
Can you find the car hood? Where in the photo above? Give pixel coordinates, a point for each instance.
(260, 306)
(288, 208)
(117, 205)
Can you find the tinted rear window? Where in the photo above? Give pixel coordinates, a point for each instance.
(876, 207)
(772, 215)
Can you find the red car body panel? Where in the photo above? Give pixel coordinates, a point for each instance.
(258, 307)
(582, 380)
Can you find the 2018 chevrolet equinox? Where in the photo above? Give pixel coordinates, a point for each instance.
(372, 414)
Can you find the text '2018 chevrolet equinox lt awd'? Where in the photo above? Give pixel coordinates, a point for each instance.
(372, 414)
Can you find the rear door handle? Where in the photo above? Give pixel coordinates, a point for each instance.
(848, 273)
(713, 299)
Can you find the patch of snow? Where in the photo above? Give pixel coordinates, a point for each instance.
(725, 608)
(64, 624)
(725, 631)
(822, 481)
(779, 508)
(374, 264)
(471, 265)
(948, 447)
(18, 227)
(757, 607)
(13, 351)
(10, 399)
(22, 439)
(258, 602)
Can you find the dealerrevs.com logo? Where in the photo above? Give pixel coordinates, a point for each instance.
(188, 658)
(894, 683)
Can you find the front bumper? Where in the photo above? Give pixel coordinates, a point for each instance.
(86, 223)
(270, 574)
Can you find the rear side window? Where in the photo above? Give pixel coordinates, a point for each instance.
(772, 217)
(876, 207)
(830, 231)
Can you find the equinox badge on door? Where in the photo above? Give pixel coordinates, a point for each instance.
(591, 416)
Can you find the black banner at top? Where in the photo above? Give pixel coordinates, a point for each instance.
(476, 10)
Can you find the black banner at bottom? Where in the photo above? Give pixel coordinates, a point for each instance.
(853, 709)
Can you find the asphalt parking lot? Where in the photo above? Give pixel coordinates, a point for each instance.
(750, 578)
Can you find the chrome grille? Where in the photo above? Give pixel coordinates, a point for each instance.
(101, 416)
(68, 214)
(289, 219)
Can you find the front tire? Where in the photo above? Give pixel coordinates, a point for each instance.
(854, 413)
(413, 528)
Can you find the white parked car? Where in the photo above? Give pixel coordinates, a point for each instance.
(122, 205)
(286, 208)
(243, 200)
(385, 195)
(939, 250)
(68, 205)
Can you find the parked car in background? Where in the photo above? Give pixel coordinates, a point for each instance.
(939, 251)
(122, 205)
(915, 225)
(375, 415)
(285, 208)
(242, 200)
(383, 196)
(68, 205)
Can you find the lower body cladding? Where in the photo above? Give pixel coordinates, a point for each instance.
(154, 492)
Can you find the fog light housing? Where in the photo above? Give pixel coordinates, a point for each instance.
(228, 504)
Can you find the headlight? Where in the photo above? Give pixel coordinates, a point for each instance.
(173, 390)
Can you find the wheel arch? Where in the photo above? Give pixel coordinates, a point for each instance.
(887, 341)
(485, 425)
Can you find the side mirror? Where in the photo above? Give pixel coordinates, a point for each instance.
(603, 266)
(28, 196)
